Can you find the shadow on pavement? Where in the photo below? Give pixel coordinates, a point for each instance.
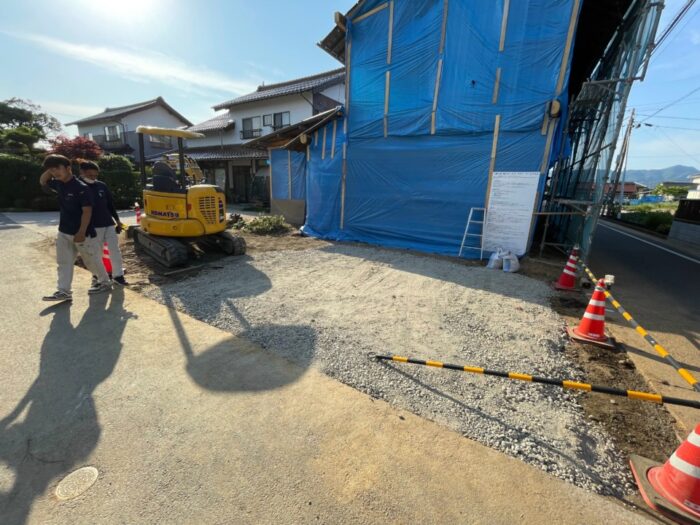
(239, 364)
(55, 426)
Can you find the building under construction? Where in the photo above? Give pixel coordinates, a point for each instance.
(468, 125)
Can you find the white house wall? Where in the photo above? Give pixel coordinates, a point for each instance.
(215, 138)
(336, 92)
(298, 108)
(94, 129)
(155, 116)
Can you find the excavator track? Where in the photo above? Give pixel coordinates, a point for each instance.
(229, 244)
(167, 251)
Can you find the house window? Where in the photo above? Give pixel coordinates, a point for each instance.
(267, 120)
(161, 141)
(87, 136)
(252, 127)
(112, 133)
(281, 119)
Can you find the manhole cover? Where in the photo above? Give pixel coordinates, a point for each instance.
(77, 482)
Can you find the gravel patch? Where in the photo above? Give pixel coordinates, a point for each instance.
(359, 300)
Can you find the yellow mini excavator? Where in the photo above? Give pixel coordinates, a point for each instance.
(178, 211)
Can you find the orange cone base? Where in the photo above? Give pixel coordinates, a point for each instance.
(608, 343)
(640, 467)
(558, 286)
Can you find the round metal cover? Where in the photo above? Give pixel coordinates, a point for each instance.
(77, 482)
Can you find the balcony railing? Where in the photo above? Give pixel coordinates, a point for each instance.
(250, 133)
(109, 141)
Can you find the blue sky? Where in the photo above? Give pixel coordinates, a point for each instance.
(74, 57)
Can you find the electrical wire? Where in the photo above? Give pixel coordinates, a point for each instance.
(669, 117)
(668, 137)
(673, 127)
(671, 104)
(673, 24)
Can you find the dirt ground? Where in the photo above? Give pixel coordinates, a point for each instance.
(637, 428)
(634, 427)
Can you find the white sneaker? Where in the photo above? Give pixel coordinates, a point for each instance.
(99, 288)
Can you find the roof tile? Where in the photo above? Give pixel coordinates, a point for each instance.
(290, 87)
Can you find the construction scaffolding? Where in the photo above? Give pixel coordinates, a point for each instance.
(575, 193)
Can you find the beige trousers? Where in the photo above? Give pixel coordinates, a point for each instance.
(91, 253)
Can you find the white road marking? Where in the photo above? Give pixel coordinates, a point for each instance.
(650, 243)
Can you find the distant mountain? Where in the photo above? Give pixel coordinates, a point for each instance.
(651, 178)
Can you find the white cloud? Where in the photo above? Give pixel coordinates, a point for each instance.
(143, 66)
(64, 111)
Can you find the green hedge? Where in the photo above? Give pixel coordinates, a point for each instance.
(658, 221)
(19, 185)
(20, 188)
(118, 174)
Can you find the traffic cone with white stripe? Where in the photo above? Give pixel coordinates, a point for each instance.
(567, 279)
(106, 260)
(137, 209)
(591, 329)
(672, 489)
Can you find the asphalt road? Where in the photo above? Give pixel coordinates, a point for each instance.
(660, 289)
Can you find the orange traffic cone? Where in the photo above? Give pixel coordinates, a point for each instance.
(674, 488)
(137, 209)
(567, 279)
(591, 329)
(106, 261)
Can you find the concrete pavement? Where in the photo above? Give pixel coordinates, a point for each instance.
(187, 424)
(661, 290)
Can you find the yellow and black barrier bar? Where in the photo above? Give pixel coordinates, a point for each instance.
(641, 331)
(562, 383)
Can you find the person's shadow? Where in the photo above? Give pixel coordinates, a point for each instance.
(55, 426)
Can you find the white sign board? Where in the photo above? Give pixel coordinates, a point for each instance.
(510, 207)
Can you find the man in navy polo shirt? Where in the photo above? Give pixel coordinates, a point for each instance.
(104, 218)
(75, 231)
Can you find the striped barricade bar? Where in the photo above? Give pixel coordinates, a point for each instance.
(562, 383)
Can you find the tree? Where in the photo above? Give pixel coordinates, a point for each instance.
(677, 192)
(20, 140)
(16, 112)
(12, 117)
(23, 125)
(76, 148)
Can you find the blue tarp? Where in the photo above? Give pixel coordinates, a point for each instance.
(288, 184)
(324, 168)
(421, 116)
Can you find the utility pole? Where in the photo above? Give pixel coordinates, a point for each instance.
(621, 163)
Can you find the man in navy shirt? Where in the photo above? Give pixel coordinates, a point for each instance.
(75, 231)
(104, 218)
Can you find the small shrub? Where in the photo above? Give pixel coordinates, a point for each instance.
(267, 225)
(19, 181)
(658, 221)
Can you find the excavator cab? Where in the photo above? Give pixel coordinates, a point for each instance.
(178, 210)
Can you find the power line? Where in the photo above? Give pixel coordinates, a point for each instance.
(672, 25)
(669, 117)
(663, 108)
(679, 147)
(673, 127)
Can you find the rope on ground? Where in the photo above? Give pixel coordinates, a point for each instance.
(641, 331)
(574, 385)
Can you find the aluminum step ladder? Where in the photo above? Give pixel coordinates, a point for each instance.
(472, 219)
